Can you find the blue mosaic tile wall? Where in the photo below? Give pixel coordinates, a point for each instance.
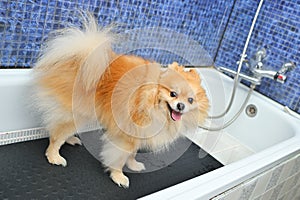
(219, 26)
(278, 28)
(25, 24)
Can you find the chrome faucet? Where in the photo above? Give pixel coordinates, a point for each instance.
(256, 67)
(255, 64)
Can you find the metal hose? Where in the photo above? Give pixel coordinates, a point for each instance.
(228, 123)
(243, 55)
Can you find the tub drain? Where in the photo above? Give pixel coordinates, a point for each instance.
(251, 110)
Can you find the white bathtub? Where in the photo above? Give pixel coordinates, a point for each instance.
(247, 148)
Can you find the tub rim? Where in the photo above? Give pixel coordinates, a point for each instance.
(224, 178)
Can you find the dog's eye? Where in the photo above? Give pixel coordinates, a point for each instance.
(190, 100)
(173, 94)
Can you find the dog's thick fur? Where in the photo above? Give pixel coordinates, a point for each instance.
(138, 103)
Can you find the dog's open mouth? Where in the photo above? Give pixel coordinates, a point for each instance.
(176, 116)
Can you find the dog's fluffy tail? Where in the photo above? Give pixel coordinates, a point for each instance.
(89, 46)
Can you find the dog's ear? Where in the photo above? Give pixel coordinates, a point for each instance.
(172, 69)
(176, 67)
(194, 73)
(173, 66)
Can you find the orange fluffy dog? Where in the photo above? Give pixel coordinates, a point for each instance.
(139, 104)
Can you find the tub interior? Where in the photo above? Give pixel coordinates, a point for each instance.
(247, 135)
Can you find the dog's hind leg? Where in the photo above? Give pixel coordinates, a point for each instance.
(73, 140)
(58, 136)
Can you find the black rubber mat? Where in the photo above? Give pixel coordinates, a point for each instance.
(26, 174)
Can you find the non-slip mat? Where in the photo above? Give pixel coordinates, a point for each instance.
(26, 174)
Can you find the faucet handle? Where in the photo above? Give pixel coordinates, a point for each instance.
(256, 60)
(286, 67)
(281, 78)
(260, 54)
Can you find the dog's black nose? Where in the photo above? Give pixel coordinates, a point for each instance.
(180, 106)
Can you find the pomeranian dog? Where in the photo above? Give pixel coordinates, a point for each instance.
(140, 104)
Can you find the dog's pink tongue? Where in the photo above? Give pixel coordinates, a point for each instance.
(176, 115)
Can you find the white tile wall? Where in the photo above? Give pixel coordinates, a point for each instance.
(279, 183)
(261, 184)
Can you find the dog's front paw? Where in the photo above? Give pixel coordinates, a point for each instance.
(73, 140)
(120, 179)
(56, 159)
(135, 165)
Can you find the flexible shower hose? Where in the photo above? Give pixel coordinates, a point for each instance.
(236, 81)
